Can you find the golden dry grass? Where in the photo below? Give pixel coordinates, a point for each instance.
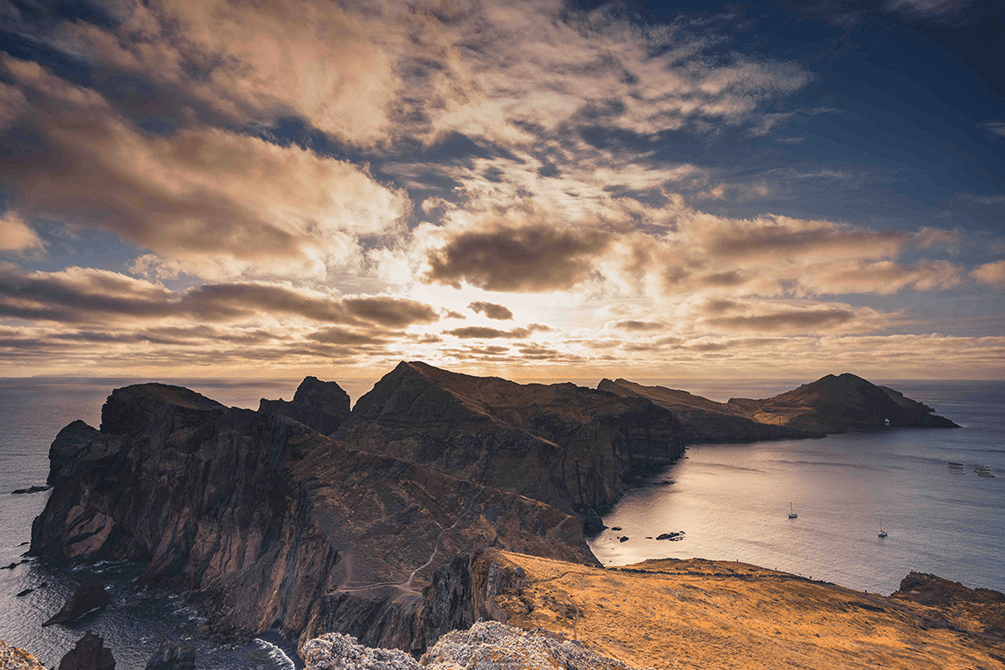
(715, 614)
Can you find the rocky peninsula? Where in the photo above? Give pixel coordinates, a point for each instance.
(438, 500)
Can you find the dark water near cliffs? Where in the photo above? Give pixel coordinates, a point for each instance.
(732, 501)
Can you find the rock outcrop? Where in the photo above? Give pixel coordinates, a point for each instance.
(89, 597)
(565, 445)
(321, 405)
(487, 645)
(266, 523)
(832, 404)
(982, 610)
(89, 653)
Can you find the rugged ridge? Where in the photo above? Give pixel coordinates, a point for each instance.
(832, 404)
(321, 405)
(706, 420)
(265, 523)
(562, 444)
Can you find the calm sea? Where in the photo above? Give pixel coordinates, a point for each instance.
(731, 500)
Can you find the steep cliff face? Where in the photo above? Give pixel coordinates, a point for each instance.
(266, 523)
(564, 445)
(705, 420)
(321, 405)
(832, 404)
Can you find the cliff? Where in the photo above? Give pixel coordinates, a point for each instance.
(266, 523)
(832, 404)
(321, 405)
(565, 445)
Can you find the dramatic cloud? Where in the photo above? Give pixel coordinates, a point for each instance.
(536, 258)
(206, 201)
(491, 310)
(15, 235)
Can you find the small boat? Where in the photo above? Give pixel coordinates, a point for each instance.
(792, 513)
(955, 465)
(882, 533)
(982, 468)
(984, 473)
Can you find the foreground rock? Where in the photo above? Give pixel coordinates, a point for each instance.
(266, 523)
(321, 405)
(89, 597)
(717, 614)
(89, 653)
(14, 658)
(485, 646)
(832, 404)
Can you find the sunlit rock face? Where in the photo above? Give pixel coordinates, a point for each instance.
(832, 404)
(269, 524)
(321, 405)
(562, 444)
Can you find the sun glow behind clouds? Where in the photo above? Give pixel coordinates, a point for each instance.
(502, 188)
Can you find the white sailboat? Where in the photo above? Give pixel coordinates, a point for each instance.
(792, 513)
(882, 533)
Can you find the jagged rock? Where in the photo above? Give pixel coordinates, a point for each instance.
(89, 597)
(172, 656)
(68, 444)
(592, 523)
(562, 444)
(487, 645)
(14, 658)
(30, 489)
(832, 404)
(265, 523)
(321, 405)
(89, 653)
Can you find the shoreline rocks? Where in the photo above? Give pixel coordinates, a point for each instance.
(89, 653)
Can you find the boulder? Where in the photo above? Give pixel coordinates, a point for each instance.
(89, 597)
(89, 653)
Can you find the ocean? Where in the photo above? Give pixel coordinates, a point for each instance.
(731, 501)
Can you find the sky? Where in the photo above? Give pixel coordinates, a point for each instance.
(533, 189)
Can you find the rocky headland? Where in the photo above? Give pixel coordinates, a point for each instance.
(267, 523)
(831, 404)
(441, 499)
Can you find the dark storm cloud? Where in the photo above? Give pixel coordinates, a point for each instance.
(78, 295)
(533, 258)
(789, 320)
(478, 332)
(491, 310)
(639, 326)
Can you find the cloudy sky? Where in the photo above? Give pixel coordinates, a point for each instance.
(533, 189)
